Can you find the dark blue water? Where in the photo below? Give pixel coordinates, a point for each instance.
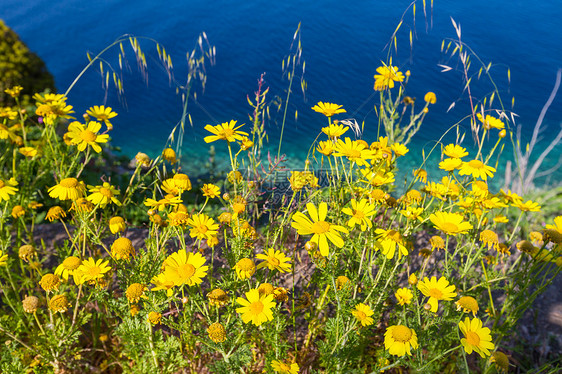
(343, 44)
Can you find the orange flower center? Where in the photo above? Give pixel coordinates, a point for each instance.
(284, 367)
(353, 153)
(360, 315)
(227, 133)
(256, 307)
(88, 136)
(202, 229)
(246, 264)
(359, 214)
(69, 182)
(273, 261)
(401, 334)
(320, 227)
(472, 338)
(186, 271)
(436, 293)
(106, 192)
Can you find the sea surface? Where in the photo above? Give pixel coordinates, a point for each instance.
(343, 42)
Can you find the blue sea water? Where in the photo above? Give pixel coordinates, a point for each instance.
(343, 43)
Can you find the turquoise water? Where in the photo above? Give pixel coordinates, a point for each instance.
(343, 44)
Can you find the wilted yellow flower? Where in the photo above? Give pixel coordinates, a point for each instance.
(135, 292)
(30, 304)
(467, 304)
(49, 282)
(217, 297)
(154, 317)
(26, 251)
(18, 211)
(59, 303)
(142, 159)
(216, 332)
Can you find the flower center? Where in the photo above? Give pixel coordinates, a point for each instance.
(358, 214)
(202, 229)
(88, 136)
(227, 133)
(94, 271)
(472, 338)
(394, 236)
(106, 192)
(273, 261)
(320, 227)
(401, 334)
(69, 182)
(186, 271)
(449, 227)
(360, 315)
(476, 164)
(284, 367)
(256, 307)
(436, 293)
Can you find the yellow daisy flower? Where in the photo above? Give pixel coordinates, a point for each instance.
(274, 259)
(92, 270)
(455, 151)
(390, 241)
(363, 314)
(102, 114)
(477, 169)
(476, 338)
(490, 122)
(325, 147)
(103, 195)
(169, 155)
(360, 213)
(211, 191)
(354, 151)
(255, 308)
(316, 224)
(334, 130)
(404, 296)
(122, 248)
(467, 304)
(185, 268)
(67, 189)
(117, 224)
(245, 268)
(430, 98)
(86, 136)
(7, 188)
(386, 77)
(450, 164)
(68, 267)
(399, 340)
(450, 223)
(202, 226)
(328, 109)
(436, 290)
(284, 368)
(163, 281)
(225, 131)
(528, 206)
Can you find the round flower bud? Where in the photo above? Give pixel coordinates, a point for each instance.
(502, 133)
(59, 303)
